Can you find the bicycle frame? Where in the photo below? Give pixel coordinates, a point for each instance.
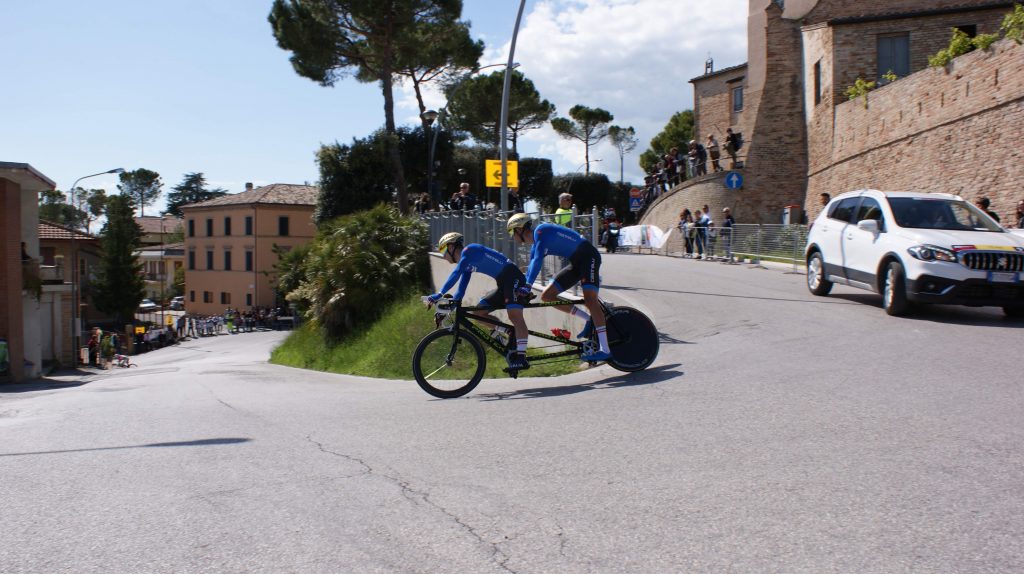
(467, 320)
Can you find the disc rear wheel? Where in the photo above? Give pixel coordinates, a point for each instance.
(632, 339)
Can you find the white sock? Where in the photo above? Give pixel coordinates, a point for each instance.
(521, 345)
(602, 339)
(578, 312)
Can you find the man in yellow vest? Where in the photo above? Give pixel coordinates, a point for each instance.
(563, 215)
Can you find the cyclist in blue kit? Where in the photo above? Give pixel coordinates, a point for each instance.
(584, 268)
(512, 288)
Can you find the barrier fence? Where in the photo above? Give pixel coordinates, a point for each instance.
(741, 243)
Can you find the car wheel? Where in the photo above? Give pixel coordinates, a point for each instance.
(816, 282)
(1014, 312)
(894, 294)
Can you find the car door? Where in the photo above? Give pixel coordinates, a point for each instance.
(863, 248)
(830, 241)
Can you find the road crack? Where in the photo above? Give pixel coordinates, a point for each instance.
(418, 498)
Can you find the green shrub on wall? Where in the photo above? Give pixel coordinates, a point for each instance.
(1013, 24)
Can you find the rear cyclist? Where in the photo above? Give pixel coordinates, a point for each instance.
(585, 265)
(512, 288)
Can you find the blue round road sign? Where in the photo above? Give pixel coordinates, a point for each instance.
(734, 180)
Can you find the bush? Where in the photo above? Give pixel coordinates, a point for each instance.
(359, 263)
(860, 88)
(1013, 24)
(961, 44)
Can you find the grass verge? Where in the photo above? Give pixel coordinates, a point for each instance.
(384, 349)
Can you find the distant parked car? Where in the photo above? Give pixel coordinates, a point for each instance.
(147, 305)
(916, 248)
(178, 304)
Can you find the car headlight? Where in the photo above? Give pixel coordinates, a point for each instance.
(932, 253)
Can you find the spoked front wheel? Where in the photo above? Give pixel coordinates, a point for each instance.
(632, 339)
(447, 364)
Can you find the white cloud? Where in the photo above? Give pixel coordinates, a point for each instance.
(633, 58)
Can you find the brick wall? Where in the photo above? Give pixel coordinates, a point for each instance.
(11, 320)
(713, 104)
(910, 135)
(830, 9)
(856, 52)
(776, 148)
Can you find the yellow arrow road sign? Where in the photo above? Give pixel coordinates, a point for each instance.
(492, 168)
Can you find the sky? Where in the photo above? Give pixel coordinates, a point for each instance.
(201, 86)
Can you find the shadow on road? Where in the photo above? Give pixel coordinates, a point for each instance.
(945, 314)
(816, 301)
(653, 375)
(45, 384)
(666, 339)
(200, 442)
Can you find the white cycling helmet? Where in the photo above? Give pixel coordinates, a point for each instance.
(447, 239)
(518, 220)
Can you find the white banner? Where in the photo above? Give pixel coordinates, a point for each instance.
(643, 236)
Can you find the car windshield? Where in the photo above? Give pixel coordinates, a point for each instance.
(940, 213)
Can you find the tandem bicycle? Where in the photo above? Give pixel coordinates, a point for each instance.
(450, 361)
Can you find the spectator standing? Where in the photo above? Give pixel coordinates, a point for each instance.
(687, 229)
(701, 223)
(731, 146)
(691, 159)
(94, 346)
(515, 203)
(825, 198)
(727, 225)
(1020, 214)
(702, 159)
(464, 200)
(712, 147)
(983, 203)
(563, 215)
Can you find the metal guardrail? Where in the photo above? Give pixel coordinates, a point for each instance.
(488, 228)
(754, 243)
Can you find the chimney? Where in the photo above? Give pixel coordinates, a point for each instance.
(248, 186)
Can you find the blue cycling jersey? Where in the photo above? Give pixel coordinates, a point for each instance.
(475, 258)
(549, 238)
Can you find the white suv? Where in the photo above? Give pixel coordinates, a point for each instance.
(916, 247)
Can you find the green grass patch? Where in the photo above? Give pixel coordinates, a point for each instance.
(384, 349)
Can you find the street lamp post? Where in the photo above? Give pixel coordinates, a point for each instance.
(76, 327)
(504, 110)
(428, 120)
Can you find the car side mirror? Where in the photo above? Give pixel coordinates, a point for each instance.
(868, 225)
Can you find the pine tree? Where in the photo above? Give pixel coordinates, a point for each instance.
(192, 189)
(119, 285)
(142, 186)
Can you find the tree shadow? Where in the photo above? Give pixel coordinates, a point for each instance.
(650, 376)
(200, 442)
(42, 385)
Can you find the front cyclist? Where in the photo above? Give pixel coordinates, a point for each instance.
(510, 293)
(585, 265)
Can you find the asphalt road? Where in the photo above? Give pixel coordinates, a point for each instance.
(777, 432)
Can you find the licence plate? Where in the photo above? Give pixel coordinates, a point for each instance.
(996, 277)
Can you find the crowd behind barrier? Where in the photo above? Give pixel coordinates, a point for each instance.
(739, 243)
